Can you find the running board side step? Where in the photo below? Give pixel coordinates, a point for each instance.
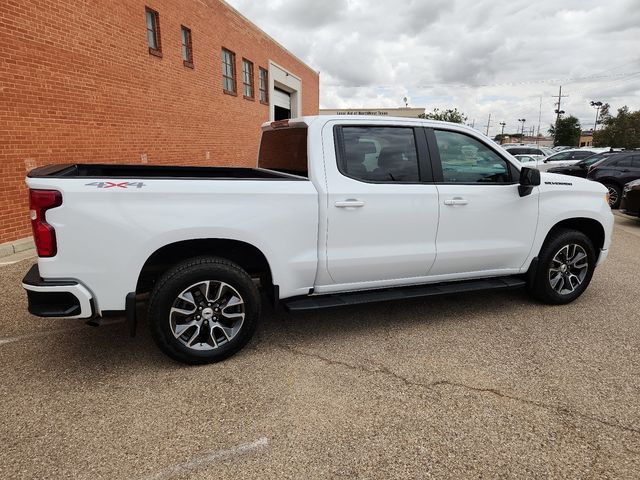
(316, 302)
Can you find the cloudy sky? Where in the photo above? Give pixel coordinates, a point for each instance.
(481, 56)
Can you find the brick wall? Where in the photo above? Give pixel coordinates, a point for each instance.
(77, 84)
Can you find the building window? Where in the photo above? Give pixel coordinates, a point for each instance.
(153, 32)
(264, 86)
(187, 47)
(247, 79)
(228, 71)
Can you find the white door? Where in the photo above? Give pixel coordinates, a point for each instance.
(382, 221)
(281, 99)
(485, 225)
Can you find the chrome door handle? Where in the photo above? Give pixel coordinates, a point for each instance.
(351, 203)
(456, 201)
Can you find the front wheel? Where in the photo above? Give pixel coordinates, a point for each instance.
(565, 267)
(615, 195)
(204, 310)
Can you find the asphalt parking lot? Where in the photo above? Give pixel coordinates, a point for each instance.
(481, 385)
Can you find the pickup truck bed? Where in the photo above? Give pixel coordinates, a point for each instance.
(157, 172)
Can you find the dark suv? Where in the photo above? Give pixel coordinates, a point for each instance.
(581, 168)
(615, 172)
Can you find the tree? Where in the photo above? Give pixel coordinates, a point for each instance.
(620, 131)
(449, 115)
(501, 137)
(567, 132)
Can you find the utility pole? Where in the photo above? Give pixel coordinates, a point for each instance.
(502, 124)
(488, 124)
(539, 122)
(559, 111)
(598, 106)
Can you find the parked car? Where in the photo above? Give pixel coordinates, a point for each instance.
(566, 158)
(581, 168)
(339, 211)
(530, 161)
(630, 203)
(615, 172)
(524, 150)
(547, 151)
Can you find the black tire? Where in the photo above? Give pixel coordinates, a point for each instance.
(185, 275)
(540, 285)
(615, 194)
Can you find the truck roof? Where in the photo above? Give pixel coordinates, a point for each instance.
(306, 121)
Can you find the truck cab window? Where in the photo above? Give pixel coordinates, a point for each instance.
(466, 160)
(379, 154)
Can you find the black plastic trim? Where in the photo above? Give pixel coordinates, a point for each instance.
(34, 279)
(403, 293)
(130, 312)
(53, 304)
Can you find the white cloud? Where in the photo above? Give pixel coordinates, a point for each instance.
(480, 56)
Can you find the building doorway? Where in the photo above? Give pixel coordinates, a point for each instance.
(281, 104)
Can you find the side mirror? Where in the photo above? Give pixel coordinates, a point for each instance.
(529, 178)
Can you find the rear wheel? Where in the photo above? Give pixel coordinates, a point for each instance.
(565, 267)
(615, 194)
(204, 310)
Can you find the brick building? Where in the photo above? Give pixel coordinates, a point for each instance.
(135, 81)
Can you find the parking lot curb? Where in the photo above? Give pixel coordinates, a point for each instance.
(17, 246)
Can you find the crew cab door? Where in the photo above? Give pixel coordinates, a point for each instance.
(381, 217)
(485, 226)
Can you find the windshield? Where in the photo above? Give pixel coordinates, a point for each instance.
(595, 158)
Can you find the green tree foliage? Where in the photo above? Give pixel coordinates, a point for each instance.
(568, 131)
(512, 136)
(449, 115)
(619, 131)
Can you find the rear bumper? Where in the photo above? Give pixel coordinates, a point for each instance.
(57, 298)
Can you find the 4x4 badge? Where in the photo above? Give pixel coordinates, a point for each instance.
(116, 185)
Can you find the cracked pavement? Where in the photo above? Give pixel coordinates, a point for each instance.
(477, 385)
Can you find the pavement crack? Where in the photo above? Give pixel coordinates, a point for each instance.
(558, 409)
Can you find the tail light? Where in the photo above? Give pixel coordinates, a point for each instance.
(44, 234)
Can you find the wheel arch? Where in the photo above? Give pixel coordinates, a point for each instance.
(247, 256)
(610, 180)
(592, 228)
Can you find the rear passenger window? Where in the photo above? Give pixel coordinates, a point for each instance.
(623, 162)
(466, 160)
(379, 154)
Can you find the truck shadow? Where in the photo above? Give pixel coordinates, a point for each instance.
(109, 347)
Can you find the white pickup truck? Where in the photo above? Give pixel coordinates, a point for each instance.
(338, 211)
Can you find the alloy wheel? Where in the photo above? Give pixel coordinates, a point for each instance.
(207, 315)
(613, 196)
(569, 268)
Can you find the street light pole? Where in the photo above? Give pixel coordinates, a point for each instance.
(502, 124)
(523, 120)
